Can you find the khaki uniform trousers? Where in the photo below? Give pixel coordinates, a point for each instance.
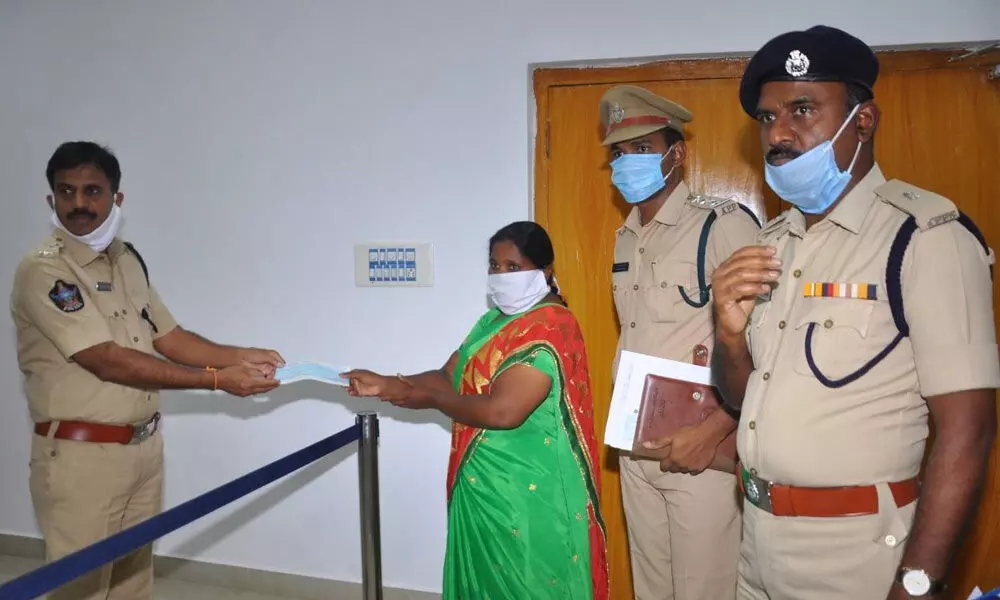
(828, 558)
(683, 531)
(84, 492)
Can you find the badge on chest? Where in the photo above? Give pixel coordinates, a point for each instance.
(66, 296)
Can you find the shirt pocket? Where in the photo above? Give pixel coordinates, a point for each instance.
(660, 291)
(839, 344)
(623, 292)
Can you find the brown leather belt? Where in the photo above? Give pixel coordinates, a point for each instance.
(791, 501)
(101, 433)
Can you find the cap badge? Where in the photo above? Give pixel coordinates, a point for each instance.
(797, 64)
(617, 113)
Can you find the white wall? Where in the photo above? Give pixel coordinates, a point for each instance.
(259, 141)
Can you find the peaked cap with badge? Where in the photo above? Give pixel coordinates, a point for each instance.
(819, 53)
(628, 112)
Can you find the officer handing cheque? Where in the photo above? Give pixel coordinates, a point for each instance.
(88, 323)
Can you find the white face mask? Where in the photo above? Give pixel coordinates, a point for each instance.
(100, 238)
(516, 292)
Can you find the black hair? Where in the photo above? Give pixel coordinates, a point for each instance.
(532, 242)
(672, 136)
(71, 155)
(856, 95)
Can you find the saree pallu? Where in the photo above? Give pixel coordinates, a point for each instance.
(524, 520)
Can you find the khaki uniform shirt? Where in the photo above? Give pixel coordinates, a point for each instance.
(796, 431)
(663, 255)
(112, 296)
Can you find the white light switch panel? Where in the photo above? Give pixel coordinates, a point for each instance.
(385, 264)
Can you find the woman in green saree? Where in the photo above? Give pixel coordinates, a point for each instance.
(524, 519)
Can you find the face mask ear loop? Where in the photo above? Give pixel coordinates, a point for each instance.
(857, 151)
(843, 125)
(672, 167)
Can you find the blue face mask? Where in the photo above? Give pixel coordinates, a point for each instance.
(812, 181)
(311, 370)
(638, 176)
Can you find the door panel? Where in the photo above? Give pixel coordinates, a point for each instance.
(940, 130)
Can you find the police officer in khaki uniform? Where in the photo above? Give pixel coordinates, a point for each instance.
(864, 309)
(684, 527)
(88, 322)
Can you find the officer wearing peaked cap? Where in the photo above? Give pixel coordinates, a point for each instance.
(861, 310)
(683, 530)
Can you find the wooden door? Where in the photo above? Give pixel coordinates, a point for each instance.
(940, 130)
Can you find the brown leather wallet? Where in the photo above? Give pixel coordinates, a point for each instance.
(792, 501)
(670, 404)
(100, 433)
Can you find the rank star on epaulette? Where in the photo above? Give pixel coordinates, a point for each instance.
(709, 202)
(66, 296)
(49, 250)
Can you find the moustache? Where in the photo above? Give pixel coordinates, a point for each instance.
(782, 152)
(81, 213)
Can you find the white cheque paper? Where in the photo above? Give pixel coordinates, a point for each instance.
(317, 371)
(633, 367)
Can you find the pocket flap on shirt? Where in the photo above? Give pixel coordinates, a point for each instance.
(671, 273)
(834, 313)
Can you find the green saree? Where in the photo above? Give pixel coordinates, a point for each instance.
(523, 512)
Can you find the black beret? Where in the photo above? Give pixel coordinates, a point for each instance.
(819, 53)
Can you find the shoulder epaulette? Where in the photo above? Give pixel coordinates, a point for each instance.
(50, 248)
(927, 208)
(722, 205)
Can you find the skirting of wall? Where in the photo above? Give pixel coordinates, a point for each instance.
(239, 578)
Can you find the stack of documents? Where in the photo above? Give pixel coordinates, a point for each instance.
(626, 400)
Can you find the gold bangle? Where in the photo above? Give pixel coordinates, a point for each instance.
(215, 376)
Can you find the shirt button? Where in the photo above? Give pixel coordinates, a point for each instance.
(663, 284)
(614, 288)
(781, 325)
(797, 273)
(124, 312)
(642, 250)
(632, 325)
(753, 472)
(828, 323)
(767, 376)
(135, 339)
(890, 540)
(752, 425)
(116, 313)
(635, 287)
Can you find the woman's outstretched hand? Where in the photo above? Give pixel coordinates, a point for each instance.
(365, 383)
(398, 390)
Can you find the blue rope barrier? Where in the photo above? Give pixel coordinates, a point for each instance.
(81, 562)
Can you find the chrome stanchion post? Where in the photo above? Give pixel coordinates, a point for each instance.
(371, 543)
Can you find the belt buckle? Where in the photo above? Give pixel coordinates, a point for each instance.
(757, 491)
(142, 433)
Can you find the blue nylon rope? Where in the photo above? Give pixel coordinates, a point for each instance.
(81, 562)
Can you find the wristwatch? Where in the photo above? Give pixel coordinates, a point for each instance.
(917, 583)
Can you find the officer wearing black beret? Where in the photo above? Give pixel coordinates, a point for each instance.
(863, 310)
(818, 54)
